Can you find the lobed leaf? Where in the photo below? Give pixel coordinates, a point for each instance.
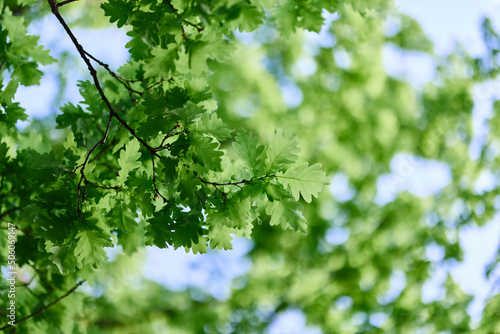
(304, 180)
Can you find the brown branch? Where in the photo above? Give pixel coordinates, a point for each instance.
(199, 29)
(168, 135)
(122, 80)
(98, 186)
(65, 2)
(155, 84)
(112, 113)
(132, 131)
(85, 162)
(47, 306)
(216, 185)
(176, 12)
(172, 8)
(104, 150)
(225, 183)
(157, 192)
(55, 10)
(8, 212)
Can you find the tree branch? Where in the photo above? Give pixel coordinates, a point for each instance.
(216, 185)
(112, 113)
(172, 8)
(199, 29)
(176, 12)
(65, 2)
(8, 212)
(157, 192)
(123, 81)
(47, 306)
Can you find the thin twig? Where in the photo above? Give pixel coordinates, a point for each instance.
(216, 185)
(104, 150)
(122, 80)
(65, 2)
(224, 184)
(178, 17)
(157, 192)
(85, 162)
(8, 212)
(47, 306)
(168, 135)
(199, 29)
(155, 84)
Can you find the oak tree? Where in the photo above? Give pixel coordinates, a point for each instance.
(191, 143)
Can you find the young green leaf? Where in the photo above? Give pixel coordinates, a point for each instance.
(90, 247)
(288, 213)
(218, 233)
(206, 152)
(304, 180)
(249, 151)
(123, 217)
(212, 125)
(128, 160)
(283, 149)
(64, 258)
(162, 64)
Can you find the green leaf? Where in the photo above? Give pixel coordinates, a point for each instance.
(7, 93)
(70, 116)
(304, 180)
(218, 233)
(200, 247)
(128, 160)
(276, 192)
(12, 113)
(159, 229)
(64, 258)
(39, 54)
(283, 149)
(138, 49)
(91, 97)
(28, 74)
(161, 64)
(27, 2)
(206, 152)
(212, 125)
(90, 247)
(119, 11)
(188, 113)
(249, 151)
(250, 18)
(288, 213)
(206, 46)
(123, 217)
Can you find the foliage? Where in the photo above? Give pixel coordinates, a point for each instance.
(160, 153)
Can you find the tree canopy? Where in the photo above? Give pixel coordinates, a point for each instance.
(226, 122)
